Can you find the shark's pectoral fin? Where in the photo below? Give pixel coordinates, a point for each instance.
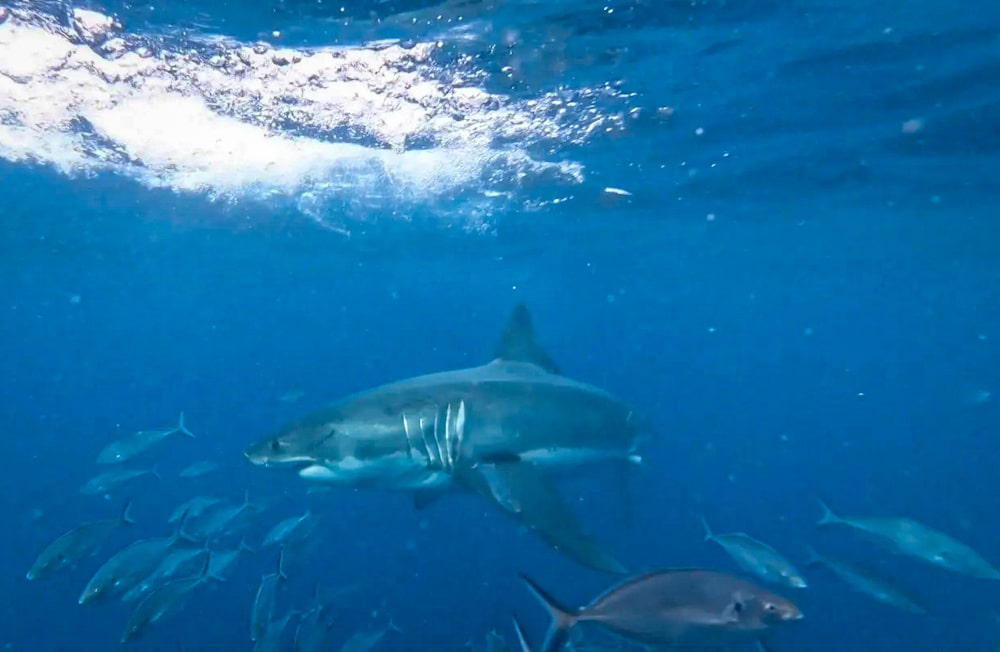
(522, 491)
(518, 342)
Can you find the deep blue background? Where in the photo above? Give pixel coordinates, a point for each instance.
(826, 334)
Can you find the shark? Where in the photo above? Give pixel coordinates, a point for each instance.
(505, 430)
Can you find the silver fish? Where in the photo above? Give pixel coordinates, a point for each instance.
(127, 568)
(111, 480)
(287, 530)
(193, 508)
(366, 640)
(124, 449)
(176, 563)
(265, 601)
(224, 562)
(271, 640)
(199, 469)
(164, 600)
(79, 543)
(757, 557)
(913, 539)
(867, 581)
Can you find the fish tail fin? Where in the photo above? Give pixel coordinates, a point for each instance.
(563, 619)
(126, 516)
(829, 517)
(709, 535)
(179, 533)
(206, 570)
(522, 641)
(181, 428)
(281, 564)
(813, 558)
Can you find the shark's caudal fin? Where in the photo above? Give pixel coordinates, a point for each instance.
(518, 344)
(520, 490)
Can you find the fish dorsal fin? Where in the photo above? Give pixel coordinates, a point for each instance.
(517, 344)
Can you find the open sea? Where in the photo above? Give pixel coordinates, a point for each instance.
(771, 227)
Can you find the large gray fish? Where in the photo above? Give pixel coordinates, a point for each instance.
(757, 557)
(496, 429)
(869, 582)
(111, 480)
(124, 449)
(913, 539)
(674, 609)
(79, 543)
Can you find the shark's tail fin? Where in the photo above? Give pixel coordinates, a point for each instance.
(563, 619)
(828, 517)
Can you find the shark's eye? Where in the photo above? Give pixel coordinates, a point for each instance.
(275, 445)
(770, 606)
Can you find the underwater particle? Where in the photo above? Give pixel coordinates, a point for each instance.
(611, 298)
(807, 332)
(912, 126)
(700, 131)
(935, 199)
(710, 217)
(617, 191)
(75, 299)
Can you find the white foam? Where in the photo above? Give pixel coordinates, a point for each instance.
(237, 122)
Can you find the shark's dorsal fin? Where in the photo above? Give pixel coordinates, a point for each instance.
(517, 344)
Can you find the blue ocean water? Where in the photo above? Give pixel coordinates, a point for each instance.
(771, 227)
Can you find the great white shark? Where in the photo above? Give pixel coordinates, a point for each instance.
(500, 429)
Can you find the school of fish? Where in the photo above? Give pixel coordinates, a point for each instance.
(504, 431)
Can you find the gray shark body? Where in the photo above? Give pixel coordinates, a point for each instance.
(498, 429)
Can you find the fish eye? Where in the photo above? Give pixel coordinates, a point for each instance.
(738, 607)
(275, 445)
(770, 606)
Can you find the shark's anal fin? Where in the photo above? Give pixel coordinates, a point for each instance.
(522, 491)
(518, 344)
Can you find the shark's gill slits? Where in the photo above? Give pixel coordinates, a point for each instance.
(436, 445)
